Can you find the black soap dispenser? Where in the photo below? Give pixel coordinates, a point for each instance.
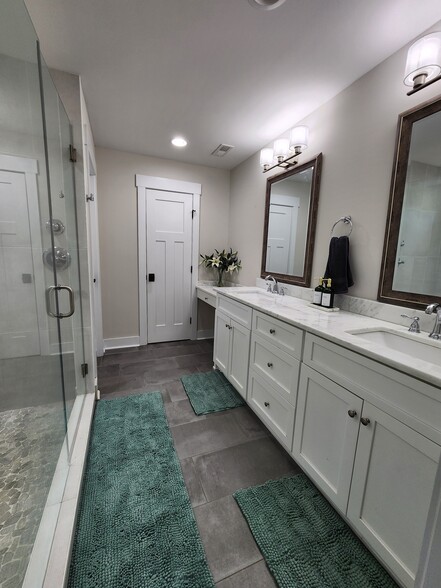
(318, 292)
(328, 295)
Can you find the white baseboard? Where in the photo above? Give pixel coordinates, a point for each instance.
(207, 334)
(121, 342)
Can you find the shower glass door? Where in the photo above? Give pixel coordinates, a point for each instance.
(32, 409)
(41, 384)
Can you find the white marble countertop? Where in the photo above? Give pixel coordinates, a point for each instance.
(207, 288)
(334, 326)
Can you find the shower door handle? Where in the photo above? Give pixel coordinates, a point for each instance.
(60, 315)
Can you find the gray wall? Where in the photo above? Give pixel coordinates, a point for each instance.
(118, 227)
(356, 132)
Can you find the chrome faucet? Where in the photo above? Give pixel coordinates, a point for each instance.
(415, 325)
(436, 331)
(274, 287)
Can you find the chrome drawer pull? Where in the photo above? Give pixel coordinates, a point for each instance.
(272, 331)
(352, 413)
(365, 421)
(269, 364)
(266, 404)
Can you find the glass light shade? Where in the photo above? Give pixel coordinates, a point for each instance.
(281, 148)
(266, 157)
(424, 59)
(266, 4)
(299, 138)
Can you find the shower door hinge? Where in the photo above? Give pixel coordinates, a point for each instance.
(72, 154)
(193, 212)
(191, 269)
(84, 369)
(190, 320)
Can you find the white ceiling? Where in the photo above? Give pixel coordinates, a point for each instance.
(216, 71)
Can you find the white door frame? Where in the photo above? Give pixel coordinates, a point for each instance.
(143, 183)
(29, 167)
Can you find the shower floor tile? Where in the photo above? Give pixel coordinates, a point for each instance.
(30, 441)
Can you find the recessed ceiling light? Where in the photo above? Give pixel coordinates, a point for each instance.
(179, 142)
(266, 4)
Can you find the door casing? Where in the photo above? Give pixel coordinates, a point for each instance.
(143, 183)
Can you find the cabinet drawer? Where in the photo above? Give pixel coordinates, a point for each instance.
(275, 411)
(206, 297)
(281, 369)
(411, 401)
(239, 312)
(284, 336)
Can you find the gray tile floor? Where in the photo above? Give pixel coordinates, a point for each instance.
(219, 453)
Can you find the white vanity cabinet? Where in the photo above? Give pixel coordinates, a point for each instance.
(232, 336)
(369, 437)
(275, 354)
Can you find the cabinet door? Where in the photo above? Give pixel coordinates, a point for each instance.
(221, 341)
(325, 436)
(239, 357)
(392, 484)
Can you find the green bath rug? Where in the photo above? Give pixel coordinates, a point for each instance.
(135, 527)
(210, 392)
(304, 541)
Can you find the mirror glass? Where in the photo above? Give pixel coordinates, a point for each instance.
(411, 272)
(290, 217)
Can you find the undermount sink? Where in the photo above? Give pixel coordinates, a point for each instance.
(259, 297)
(409, 344)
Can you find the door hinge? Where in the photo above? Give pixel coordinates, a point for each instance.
(191, 269)
(72, 154)
(193, 212)
(190, 320)
(84, 369)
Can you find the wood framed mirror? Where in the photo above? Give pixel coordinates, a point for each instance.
(290, 220)
(411, 266)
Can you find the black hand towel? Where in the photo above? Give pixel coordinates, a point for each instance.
(337, 267)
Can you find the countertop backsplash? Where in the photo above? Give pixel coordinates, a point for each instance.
(372, 308)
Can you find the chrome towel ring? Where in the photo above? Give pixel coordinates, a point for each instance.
(344, 219)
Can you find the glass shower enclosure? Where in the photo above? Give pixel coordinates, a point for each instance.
(42, 365)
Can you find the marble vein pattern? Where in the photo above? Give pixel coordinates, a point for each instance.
(30, 441)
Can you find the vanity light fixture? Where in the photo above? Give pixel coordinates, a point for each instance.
(285, 150)
(266, 4)
(423, 65)
(179, 142)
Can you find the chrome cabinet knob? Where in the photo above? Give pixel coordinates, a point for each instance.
(266, 404)
(352, 413)
(365, 421)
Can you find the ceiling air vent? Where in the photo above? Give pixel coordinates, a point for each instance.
(222, 150)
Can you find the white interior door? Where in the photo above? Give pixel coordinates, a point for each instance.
(19, 332)
(169, 260)
(280, 237)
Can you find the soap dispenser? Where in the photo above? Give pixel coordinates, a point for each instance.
(328, 295)
(318, 292)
